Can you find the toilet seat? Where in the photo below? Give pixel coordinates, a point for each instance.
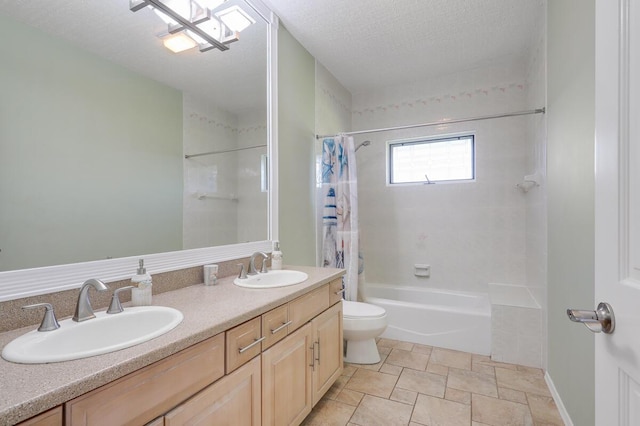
(356, 310)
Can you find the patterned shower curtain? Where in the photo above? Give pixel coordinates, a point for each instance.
(340, 212)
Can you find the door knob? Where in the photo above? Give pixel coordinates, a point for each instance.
(600, 320)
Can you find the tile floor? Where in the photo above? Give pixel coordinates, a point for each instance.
(423, 385)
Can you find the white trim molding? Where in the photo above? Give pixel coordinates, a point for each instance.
(556, 398)
(51, 279)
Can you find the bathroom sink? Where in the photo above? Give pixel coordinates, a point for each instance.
(103, 334)
(271, 279)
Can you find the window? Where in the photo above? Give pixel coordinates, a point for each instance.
(431, 160)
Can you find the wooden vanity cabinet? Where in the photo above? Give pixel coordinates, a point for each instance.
(275, 326)
(328, 350)
(298, 371)
(335, 291)
(286, 379)
(52, 417)
(278, 365)
(243, 343)
(142, 396)
(233, 400)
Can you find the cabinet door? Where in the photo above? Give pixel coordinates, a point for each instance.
(327, 339)
(286, 379)
(231, 401)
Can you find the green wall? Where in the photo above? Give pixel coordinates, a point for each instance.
(90, 156)
(570, 168)
(296, 127)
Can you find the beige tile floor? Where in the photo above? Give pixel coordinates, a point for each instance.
(423, 385)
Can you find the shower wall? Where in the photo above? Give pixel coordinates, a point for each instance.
(223, 202)
(470, 233)
(536, 199)
(209, 221)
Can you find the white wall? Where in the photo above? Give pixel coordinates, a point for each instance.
(470, 233)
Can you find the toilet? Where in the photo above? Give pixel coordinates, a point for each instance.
(362, 323)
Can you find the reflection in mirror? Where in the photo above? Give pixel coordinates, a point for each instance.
(100, 131)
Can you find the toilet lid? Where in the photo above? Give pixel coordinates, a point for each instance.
(359, 309)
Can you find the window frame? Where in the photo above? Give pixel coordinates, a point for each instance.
(430, 139)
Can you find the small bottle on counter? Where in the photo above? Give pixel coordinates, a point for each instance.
(141, 291)
(276, 256)
(210, 274)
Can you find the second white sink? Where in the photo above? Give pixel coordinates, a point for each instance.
(102, 334)
(279, 278)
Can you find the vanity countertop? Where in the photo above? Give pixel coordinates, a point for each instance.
(29, 389)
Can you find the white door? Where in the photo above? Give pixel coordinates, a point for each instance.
(617, 257)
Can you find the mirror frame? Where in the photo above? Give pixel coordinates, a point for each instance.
(51, 279)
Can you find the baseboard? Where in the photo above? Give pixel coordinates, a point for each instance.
(556, 397)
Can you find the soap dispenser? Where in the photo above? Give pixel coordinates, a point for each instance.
(141, 291)
(276, 256)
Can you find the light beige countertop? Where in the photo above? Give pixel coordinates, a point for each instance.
(29, 389)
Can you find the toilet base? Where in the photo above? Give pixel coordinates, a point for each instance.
(362, 352)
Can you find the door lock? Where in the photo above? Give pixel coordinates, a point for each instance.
(600, 320)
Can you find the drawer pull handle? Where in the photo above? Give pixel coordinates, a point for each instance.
(340, 291)
(255, 342)
(312, 348)
(284, 324)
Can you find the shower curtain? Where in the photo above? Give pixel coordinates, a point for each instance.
(340, 211)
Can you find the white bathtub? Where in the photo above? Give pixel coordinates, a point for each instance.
(435, 317)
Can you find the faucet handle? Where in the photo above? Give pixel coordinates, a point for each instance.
(49, 321)
(243, 274)
(264, 269)
(115, 307)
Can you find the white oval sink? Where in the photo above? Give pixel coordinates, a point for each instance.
(279, 278)
(100, 335)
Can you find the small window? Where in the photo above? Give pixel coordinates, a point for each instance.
(432, 160)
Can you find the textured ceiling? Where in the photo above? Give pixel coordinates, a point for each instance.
(235, 78)
(368, 44)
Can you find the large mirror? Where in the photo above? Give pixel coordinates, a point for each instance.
(113, 146)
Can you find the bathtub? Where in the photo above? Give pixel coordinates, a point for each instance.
(447, 319)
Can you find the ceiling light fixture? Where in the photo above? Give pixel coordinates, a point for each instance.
(235, 18)
(178, 42)
(195, 20)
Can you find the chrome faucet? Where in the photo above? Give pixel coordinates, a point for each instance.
(84, 311)
(252, 263)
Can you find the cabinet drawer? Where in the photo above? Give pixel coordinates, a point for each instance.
(308, 306)
(150, 392)
(52, 417)
(243, 343)
(275, 325)
(335, 291)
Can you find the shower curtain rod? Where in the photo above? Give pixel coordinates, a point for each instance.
(223, 152)
(439, 123)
